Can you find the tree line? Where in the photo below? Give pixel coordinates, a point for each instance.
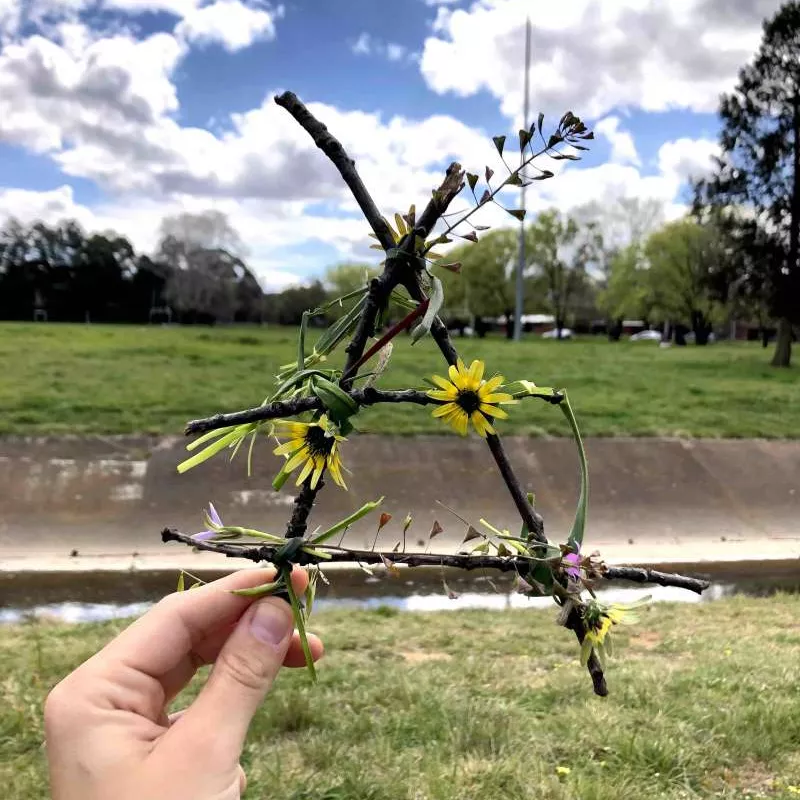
(197, 274)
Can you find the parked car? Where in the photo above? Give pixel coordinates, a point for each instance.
(646, 336)
(566, 333)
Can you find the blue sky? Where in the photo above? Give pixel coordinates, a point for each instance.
(120, 113)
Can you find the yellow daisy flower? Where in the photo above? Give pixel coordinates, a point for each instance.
(315, 443)
(599, 620)
(466, 398)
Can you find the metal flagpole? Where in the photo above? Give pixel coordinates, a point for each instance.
(521, 260)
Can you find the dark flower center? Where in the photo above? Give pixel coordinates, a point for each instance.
(317, 442)
(469, 401)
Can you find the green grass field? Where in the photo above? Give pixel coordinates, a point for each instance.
(60, 378)
(705, 702)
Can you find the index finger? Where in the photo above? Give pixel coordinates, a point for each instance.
(169, 632)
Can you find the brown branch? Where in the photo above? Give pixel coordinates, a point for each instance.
(575, 624)
(332, 148)
(466, 561)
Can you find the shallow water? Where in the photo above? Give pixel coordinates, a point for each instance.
(95, 596)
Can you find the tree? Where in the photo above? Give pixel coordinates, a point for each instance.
(627, 288)
(207, 279)
(681, 257)
(560, 253)
(756, 182)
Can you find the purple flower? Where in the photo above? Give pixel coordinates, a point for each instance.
(214, 520)
(574, 568)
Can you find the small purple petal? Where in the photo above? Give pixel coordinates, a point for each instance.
(213, 516)
(204, 535)
(574, 560)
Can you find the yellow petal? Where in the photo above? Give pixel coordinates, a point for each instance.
(442, 383)
(492, 383)
(319, 466)
(497, 397)
(334, 465)
(288, 447)
(493, 411)
(445, 396)
(444, 410)
(305, 472)
(296, 460)
(476, 373)
(455, 376)
(481, 424)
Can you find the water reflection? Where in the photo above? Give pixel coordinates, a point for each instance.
(110, 596)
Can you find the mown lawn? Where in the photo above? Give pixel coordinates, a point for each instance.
(705, 702)
(60, 378)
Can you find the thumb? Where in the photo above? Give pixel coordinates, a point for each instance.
(240, 679)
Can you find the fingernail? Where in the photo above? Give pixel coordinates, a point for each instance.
(270, 623)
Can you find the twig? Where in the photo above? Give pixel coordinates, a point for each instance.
(465, 561)
(291, 408)
(533, 521)
(332, 148)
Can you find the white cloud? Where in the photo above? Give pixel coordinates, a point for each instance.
(367, 45)
(362, 45)
(623, 148)
(593, 56)
(227, 22)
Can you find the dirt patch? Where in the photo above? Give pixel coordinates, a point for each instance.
(420, 656)
(646, 640)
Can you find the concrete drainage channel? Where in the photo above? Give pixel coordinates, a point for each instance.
(98, 595)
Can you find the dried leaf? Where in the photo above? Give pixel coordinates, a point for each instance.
(517, 212)
(499, 143)
(450, 593)
(472, 180)
(566, 157)
(396, 547)
(407, 523)
(524, 138)
(540, 121)
(514, 179)
(489, 173)
(472, 533)
(544, 176)
(485, 197)
(384, 520)
(454, 267)
(470, 237)
(481, 227)
(390, 567)
(554, 139)
(436, 529)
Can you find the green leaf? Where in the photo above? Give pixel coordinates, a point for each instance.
(435, 303)
(209, 451)
(259, 591)
(472, 180)
(299, 622)
(578, 526)
(215, 434)
(181, 585)
(347, 521)
(280, 478)
(337, 402)
(301, 342)
(586, 651)
(519, 213)
(499, 143)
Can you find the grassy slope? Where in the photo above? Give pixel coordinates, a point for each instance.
(114, 379)
(705, 703)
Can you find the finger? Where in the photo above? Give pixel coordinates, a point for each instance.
(242, 781)
(161, 645)
(215, 725)
(295, 657)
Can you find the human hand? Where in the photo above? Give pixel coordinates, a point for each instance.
(106, 725)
